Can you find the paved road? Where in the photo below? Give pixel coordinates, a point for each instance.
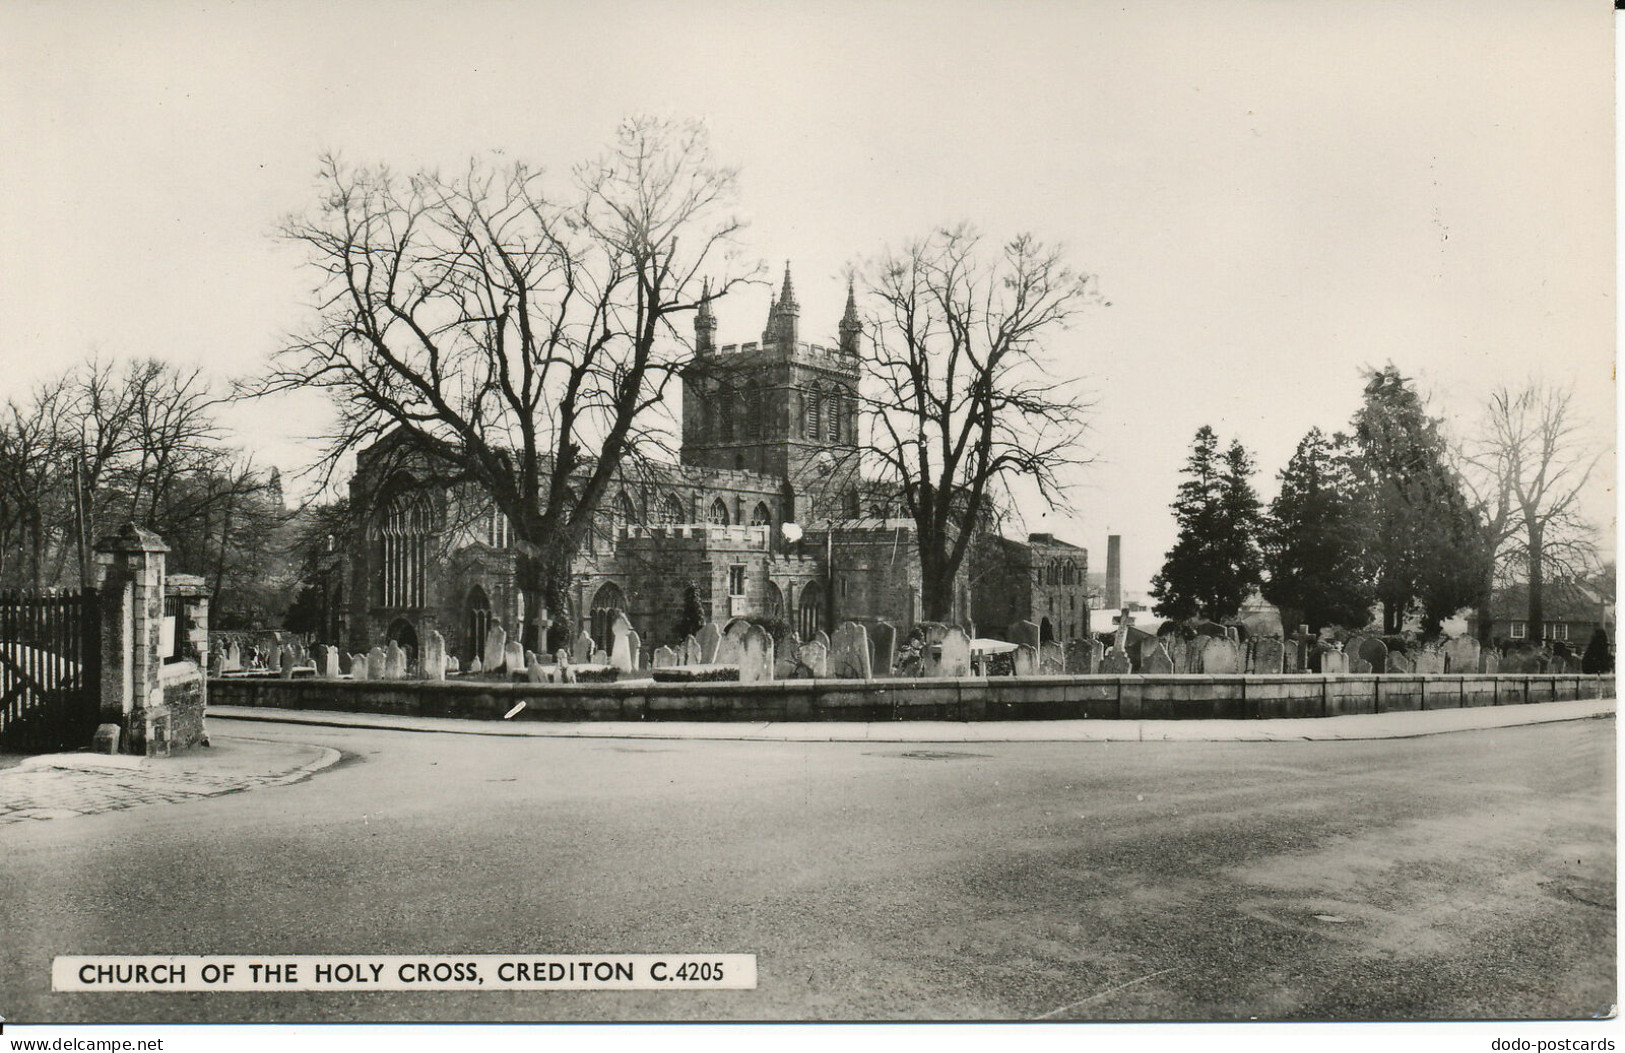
(1467, 875)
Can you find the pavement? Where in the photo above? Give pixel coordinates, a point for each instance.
(1313, 729)
(62, 786)
(65, 785)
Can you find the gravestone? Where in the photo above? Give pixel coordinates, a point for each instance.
(394, 662)
(561, 658)
(581, 653)
(1429, 661)
(1268, 653)
(288, 658)
(476, 666)
(1081, 657)
(634, 647)
(495, 654)
(1115, 663)
(849, 653)
(1372, 650)
(1155, 659)
(822, 637)
(730, 648)
(953, 658)
(1025, 632)
(1024, 659)
(1051, 659)
(883, 638)
(513, 659)
(709, 638)
(600, 657)
(358, 666)
(756, 655)
(273, 657)
(785, 647)
(1334, 662)
(234, 657)
(1489, 662)
(453, 664)
(1221, 656)
(376, 659)
(330, 663)
(1186, 655)
(815, 656)
(434, 655)
(1399, 662)
(622, 653)
(665, 657)
(1359, 665)
(1461, 655)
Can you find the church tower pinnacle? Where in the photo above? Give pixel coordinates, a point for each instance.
(705, 323)
(851, 328)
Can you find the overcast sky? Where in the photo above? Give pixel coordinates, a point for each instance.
(1273, 195)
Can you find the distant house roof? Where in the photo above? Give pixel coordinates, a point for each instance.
(1564, 600)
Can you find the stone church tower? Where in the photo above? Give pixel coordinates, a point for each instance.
(781, 407)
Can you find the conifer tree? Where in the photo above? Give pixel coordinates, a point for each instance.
(1315, 540)
(1215, 561)
(1425, 545)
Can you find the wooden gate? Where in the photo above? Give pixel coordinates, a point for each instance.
(50, 670)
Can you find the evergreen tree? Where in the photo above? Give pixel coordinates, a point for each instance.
(1425, 544)
(693, 618)
(1315, 540)
(1215, 562)
(1597, 657)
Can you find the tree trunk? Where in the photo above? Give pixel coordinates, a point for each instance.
(1537, 583)
(544, 582)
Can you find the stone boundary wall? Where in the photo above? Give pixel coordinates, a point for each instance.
(1025, 698)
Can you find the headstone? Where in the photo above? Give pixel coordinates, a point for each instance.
(394, 662)
(453, 664)
(273, 657)
(288, 658)
(234, 657)
(495, 654)
(756, 655)
(1051, 659)
(1461, 655)
(634, 646)
(1372, 650)
(600, 657)
(1232, 634)
(709, 638)
(106, 739)
(1268, 653)
(786, 647)
(330, 663)
(1221, 656)
(1429, 661)
(375, 663)
(585, 645)
(1334, 662)
(1359, 665)
(883, 637)
(1082, 657)
(1155, 659)
(1025, 660)
(1489, 662)
(513, 659)
(622, 654)
(815, 656)
(690, 652)
(536, 672)
(849, 655)
(358, 667)
(665, 658)
(1186, 655)
(953, 657)
(730, 650)
(822, 637)
(1399, 662)
(434, 655)
(476, 666)
(1115, 663)
(1025, 632)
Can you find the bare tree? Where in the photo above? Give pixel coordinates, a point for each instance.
(514, 340)
(962, 403)
(1527, 470)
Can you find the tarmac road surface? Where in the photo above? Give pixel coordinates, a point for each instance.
(1465, 875)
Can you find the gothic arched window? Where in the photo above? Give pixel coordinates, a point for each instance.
(403, 531)
(719, 513)
(725, 415)
(753, 412)
(761, 515)
(815, 406)
(671, 510)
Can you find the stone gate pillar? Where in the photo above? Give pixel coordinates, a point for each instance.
(130, 577)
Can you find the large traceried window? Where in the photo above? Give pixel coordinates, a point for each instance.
(719, 513)
(670, 510)
(404, 538)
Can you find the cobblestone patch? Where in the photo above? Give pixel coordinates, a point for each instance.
(34, 794)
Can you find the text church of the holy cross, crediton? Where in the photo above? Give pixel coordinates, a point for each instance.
(769, 437)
